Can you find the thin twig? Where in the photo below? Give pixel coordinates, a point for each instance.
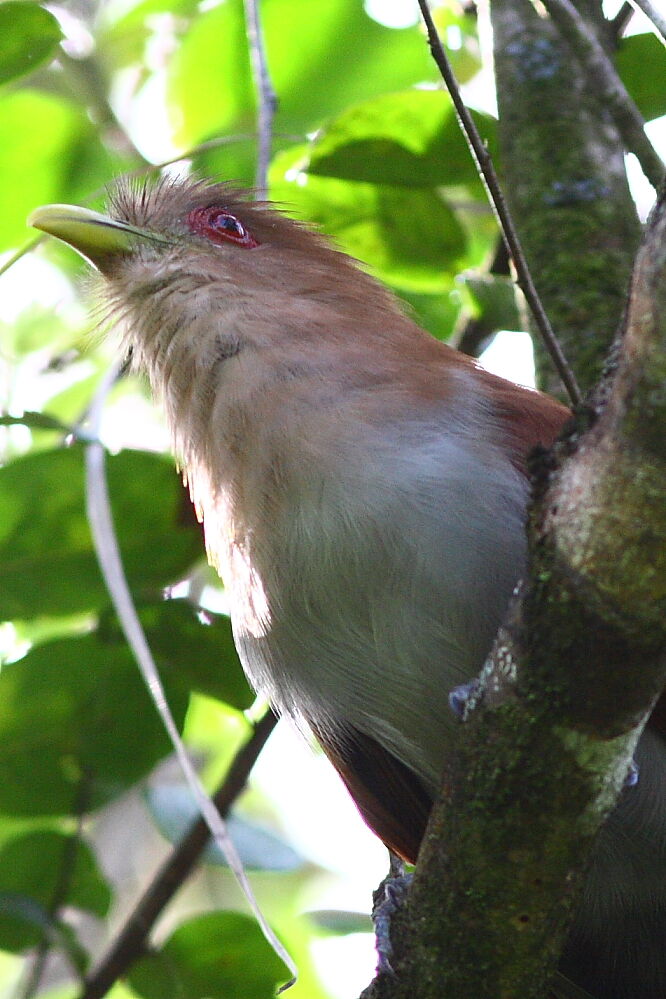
(606, 81)
(15, 257)
(658, 20)
(621, 20)
(59, 898)
(496, 196)
(266, 96)
(469, 338)
(105, 541)
(86, 80)
(131, 941)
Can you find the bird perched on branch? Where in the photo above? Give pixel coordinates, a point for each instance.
(363, 490)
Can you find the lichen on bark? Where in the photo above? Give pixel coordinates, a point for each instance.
(566, 184)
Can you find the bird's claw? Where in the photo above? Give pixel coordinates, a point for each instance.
(387, 900)
(461, 696)
(633, 775)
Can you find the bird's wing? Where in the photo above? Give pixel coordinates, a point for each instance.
(389, 796)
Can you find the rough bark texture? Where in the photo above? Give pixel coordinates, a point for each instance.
(581, 657)
(572, 677)
(566, 185)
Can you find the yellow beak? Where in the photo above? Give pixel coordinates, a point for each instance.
(96, 237)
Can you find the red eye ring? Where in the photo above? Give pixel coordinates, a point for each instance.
(218, 225)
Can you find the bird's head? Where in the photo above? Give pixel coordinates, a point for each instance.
(172, 250)
(218, 295)
(210, 231)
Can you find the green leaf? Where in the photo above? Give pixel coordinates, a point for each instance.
(24, 922)
(31, 162)
(47, 561)
(210, 86)
(36, 421)
(32, 868)
(76, 721)
(197, 646)
(33, 328)
(641, 62)
(50, 152)
(493, 300)
(369, 59)
(174, 810)
(29, 36)
(340, 921)
(436, 313)
(457, 28)
(209, 78)
(411, 139)
(84, 374)
(409, 237)
(126, 30)
(233, 161)
(219, 955)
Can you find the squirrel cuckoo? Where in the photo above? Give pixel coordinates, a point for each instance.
(363, 489)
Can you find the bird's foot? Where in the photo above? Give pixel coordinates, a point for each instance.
(386, 901)
(633, 775)
(464, 697)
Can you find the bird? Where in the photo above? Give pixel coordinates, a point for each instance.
(363, 488)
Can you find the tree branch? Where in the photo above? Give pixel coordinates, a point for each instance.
(84, 76)
(266, 96)
(65, 876)
(566, 185)
(498, 202)
(653, 15)
(563, 697)
(472, 335)
(621, 20)
(603, 76)
(131, 941)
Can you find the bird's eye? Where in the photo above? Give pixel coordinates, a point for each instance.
(220, 226)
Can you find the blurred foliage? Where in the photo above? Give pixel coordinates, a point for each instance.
(30, 36)
(647, 88)
(367, 148)
(189, 962)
